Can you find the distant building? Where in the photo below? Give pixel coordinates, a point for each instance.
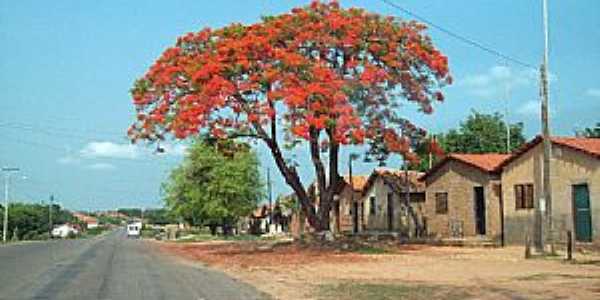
(89, 221)
(63, 231)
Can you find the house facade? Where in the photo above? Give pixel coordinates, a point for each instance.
(463, 197)
(345, 203)
(392, 201)
(575, 189)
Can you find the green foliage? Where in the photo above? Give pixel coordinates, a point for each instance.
(590, 132)
(482, 133)
(159, 216)
(32, 220)
(105, 220)
(216, 184)
(131, 212)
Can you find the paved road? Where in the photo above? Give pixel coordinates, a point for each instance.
(108, 267)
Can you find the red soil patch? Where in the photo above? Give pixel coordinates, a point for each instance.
(245, 255)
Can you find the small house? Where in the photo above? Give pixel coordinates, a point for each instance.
(574, 185)
(392, 201)
(463, 197)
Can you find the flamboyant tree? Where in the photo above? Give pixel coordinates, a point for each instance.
(322, 75)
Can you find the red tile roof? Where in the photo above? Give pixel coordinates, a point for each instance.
(359, 181)
(487, 162)
(589, 146)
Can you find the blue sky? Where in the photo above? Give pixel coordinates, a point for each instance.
(66, 68)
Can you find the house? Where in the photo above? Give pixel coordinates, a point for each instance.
(258, 222)
(64, 230)
(345, 202)
(89, 221)
(463, 196)
(393, 201)
(575, 189)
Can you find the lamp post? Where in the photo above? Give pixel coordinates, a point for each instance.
(7, 171)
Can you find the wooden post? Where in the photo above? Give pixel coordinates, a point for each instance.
(569, 245)
(527, 247)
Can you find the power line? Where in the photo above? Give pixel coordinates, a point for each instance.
(460, 37)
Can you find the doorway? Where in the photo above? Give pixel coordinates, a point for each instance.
(355, 217)
(479, 202)
(390, 211)
(581, 213)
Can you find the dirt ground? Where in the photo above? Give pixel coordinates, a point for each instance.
(293, 271)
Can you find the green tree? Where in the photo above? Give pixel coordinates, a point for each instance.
(590, 132)
(216, 184)
(32, 220)
(482, 133)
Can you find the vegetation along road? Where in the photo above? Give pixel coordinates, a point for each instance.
(108, 267)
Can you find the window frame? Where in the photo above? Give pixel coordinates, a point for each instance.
(439, 208)
(524, 196)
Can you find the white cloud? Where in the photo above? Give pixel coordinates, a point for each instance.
(68, 160)
(494, 82)
(593, 92)
(109, 150)
(530, 108)
(533, 108)
(101, 167)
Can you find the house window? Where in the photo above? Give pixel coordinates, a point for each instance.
(524, 196)
(441, 203)
(372, 205)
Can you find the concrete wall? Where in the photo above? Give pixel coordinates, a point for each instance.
(568, 167)
(458, 180)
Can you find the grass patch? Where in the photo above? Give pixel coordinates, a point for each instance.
(382, 291)
(366, 249)
(547, 276)
(203, 237)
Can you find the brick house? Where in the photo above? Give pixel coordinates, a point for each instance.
(575, 188)
(383, 205)
(463, 197)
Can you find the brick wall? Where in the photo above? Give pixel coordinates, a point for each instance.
(458, 180)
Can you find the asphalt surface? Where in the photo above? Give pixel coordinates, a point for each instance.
(109, 267)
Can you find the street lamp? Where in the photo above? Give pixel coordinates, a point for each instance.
(7, 171)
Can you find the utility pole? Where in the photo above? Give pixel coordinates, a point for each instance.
(50, 225)
(506, 99)
(7, 172)
(355, 218)
(270, 198)
(545, 203)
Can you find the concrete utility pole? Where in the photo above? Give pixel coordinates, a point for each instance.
(351, 158)
(506, 99)
(50, 225)
(7, 172)
(545, 203)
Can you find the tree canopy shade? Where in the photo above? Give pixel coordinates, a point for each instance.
(323, 75)
(213, 186)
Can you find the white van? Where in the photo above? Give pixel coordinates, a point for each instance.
(134, 229)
